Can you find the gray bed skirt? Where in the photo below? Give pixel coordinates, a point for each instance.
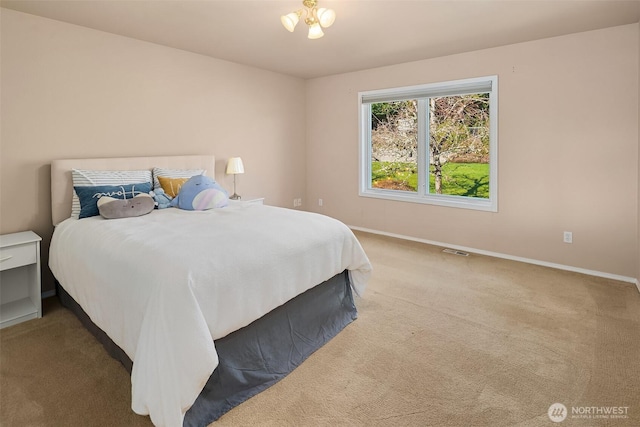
(259, 355)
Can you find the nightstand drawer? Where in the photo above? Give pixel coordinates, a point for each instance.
(17, 256)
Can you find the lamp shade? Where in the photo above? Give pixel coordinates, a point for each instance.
(235, 166)
(315, 31)
(290, 21)
(326, 17)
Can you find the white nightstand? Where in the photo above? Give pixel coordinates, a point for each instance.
(248, 201)
(20, 293)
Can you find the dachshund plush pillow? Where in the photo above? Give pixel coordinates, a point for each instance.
(112, 208)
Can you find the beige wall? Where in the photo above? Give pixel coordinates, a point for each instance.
(568, 154)
(68, 91)
(568, 151)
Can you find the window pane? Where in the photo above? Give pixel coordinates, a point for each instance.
(459, 145)
(394, 145)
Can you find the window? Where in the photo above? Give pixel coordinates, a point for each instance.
(434, 143)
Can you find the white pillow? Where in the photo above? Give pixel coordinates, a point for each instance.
(174, 173)
(89, 178)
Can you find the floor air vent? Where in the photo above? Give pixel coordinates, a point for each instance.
(455, 252)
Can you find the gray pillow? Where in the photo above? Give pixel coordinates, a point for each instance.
(139, 205)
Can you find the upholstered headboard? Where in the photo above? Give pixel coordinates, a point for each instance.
(62, 184)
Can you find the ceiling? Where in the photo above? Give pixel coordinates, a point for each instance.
(366, 33)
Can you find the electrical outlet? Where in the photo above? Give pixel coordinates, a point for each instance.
(297, 203)
(568, 237)
(319, 202)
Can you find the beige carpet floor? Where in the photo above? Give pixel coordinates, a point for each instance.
(441, 340)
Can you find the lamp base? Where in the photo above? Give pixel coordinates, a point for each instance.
(235, 196)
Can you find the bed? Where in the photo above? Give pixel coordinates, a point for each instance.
(205, 308)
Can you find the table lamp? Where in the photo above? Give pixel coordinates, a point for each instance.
(234, 167)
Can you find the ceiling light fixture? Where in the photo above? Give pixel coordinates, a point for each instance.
(316, 18)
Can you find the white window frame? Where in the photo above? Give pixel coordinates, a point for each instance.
(487, 84)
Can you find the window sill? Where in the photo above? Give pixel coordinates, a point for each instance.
(486, 205)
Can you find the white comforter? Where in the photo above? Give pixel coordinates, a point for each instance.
(164, 285)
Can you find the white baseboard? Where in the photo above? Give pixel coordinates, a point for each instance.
(505, 256)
